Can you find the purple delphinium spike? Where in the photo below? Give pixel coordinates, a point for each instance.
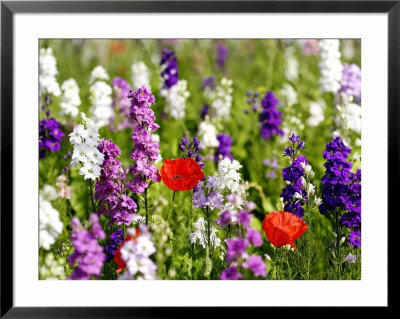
(110, 190)
(270, 117)
(50, 134)
(146, 150)
(191, 149)
(221, 56)
(88, 254)
(169, 63)
(115, 241)
(294, 195)
(224, 148)
(341, 188)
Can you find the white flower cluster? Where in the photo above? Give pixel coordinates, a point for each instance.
(137, 254)
(200, 234)
(100, 95)
(330, 65)
(228, 177)
(85, 138)
(222, 99)
(50, 225)
(349, 117)
(175, 99)
(316, 113)
(98, 73)
(292, 65)
(52, 268)
(289, 95)
(207, 135)
(70, 99)
(47, 73)
(140, 75)
(49, 193)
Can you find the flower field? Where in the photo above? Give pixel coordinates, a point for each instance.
(200, 159)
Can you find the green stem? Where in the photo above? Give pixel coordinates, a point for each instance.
(172, 206)
(145, 206)
(91, 195)
(208, 229)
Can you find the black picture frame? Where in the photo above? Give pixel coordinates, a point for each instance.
(9, 8)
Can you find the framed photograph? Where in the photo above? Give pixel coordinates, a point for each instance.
(158, 155)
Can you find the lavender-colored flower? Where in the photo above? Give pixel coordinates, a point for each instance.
(244, 217)
(350, 258)
(121, 103)
(169, 63)
(254, 237)
(224, 148)
(351, 82)
(111, 189)
(222, 54)
(231, 273)
(88, 253)
(270, 117)
(236, 247)
(146, 149)
(256, 265)
(355, 238)
(224, 219)
(271, 163)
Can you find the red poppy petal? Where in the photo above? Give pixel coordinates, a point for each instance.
(181, 174)
(282, 228)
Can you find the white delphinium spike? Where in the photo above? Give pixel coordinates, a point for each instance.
(49, 193)
(228, 177)
(316, 113)
(175, 99)
(140, 75)
(70, 99)
(207, 135)
(292, 65)
(200, 234)
(330, 65)
(47, 73)
(85, 139)
(222, 102)
(50, 225)
(289, 95)
(100, 96)
(52, 268)
(99, 73)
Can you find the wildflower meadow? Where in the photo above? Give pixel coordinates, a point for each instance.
(200, 159)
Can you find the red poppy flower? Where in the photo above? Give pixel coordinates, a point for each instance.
(181, 174)
(283, 228)
(117, 257)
